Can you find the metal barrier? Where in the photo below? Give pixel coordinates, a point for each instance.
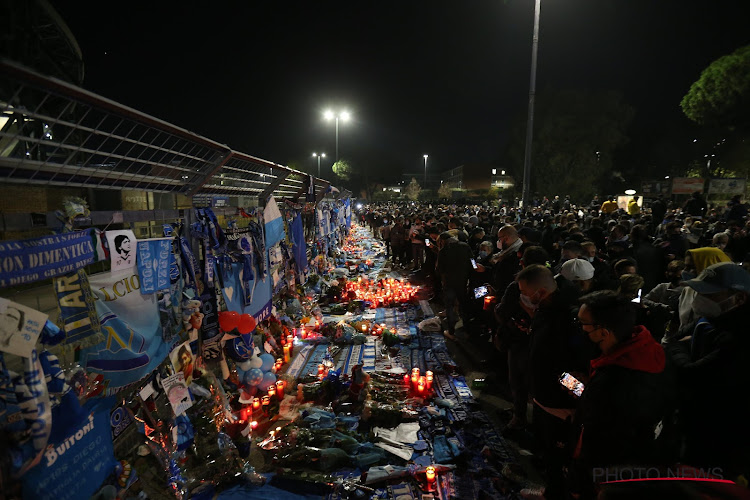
(56, 134)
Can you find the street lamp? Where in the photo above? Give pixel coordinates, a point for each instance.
(526, 193)
(425, 171)
(321, 155)
(330, 115)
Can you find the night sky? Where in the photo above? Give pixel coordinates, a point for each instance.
(444, 78)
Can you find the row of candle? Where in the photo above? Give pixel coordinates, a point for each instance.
(419, 383)
(384, 292)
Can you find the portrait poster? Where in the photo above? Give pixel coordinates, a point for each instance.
(183, 360)
(177, 393)
(20, 327)
(122, 249)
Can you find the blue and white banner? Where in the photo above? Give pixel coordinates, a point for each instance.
(26, 261)
(76, 466)
(155, 259)
(274, 223)
(133, 345)
(77, 308)
(257, 294)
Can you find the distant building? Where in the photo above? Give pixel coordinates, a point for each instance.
(476, 176)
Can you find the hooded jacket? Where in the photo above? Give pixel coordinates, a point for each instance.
(628, 394)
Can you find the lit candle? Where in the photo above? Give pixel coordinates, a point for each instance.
(256, 403)
(321, 369)
(280, 388)
(254, 424)
(421, 384)
(279, 362)
(406, 378)
(289, 339)
(414, 378)
(286, 353)
(303, 333)
(428, 378)
(272, 391)
(430, 473)
(266, 400)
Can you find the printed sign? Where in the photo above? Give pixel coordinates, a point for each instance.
(154, 262)
(687, 185)
(26, 261)
(727, 186)
(122, 249)
(20, 326)
(177, 393)
(76, 466)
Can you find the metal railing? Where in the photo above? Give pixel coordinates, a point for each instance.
(56, 134)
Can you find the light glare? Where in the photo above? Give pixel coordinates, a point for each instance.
(328, 115)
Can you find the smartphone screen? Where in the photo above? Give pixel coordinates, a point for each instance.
(637, 300)
(571, 383)
(473, 263)
(480, 292)
(427, 241)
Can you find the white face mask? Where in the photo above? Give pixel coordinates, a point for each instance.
(590, 259)
(527, 303)
(499, 245)
(704, 307)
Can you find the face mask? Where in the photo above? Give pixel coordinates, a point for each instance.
(483, 254)
(526, 301)
(705, 307)
(687, 275)
(590, 259)
(499, 245)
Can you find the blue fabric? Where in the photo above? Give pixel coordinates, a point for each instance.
(299, 248)
(257, 294)
(273, 222)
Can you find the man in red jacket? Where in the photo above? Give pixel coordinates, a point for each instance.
(627, 397)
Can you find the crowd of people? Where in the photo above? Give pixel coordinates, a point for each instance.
(620, 329)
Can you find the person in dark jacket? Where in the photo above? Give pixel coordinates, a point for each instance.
(513, 336)
(714, 371)
(650, 259)
(505, 263)
(627, 396)
(555, 346)
(454, 268)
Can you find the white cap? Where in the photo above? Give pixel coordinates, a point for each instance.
(577, 270)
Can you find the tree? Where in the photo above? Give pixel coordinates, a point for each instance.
(721, 96)
(720, 102)
(412, 190)
(576, 134)
(343, 170)
(444, 191)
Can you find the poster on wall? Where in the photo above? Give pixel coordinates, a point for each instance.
(122, 248)
(133, 344)
(20, 326)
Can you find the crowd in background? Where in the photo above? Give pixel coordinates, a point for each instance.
(644, 304)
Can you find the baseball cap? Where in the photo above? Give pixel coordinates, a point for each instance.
(577, 270)
(720, 277)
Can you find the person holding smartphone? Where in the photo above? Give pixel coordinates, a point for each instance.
(628, 396)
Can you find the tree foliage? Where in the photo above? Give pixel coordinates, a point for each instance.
(444, 191)
(413, 189)
(721, 96)
(576, 134)
(343, 170)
